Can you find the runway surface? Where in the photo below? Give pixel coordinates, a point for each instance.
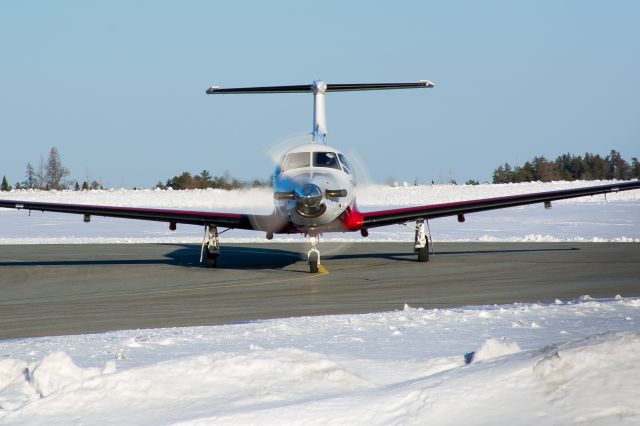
(70, 289)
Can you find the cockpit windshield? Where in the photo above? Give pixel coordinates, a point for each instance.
(345, 163)
(326, 159)
(296, 160)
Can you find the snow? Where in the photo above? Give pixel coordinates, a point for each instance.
(562, 362)
(586, 219)
(579, 366)
(493, 348)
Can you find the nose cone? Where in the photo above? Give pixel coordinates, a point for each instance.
(310, 195)
(310, 201)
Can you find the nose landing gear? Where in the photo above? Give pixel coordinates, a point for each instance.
(313, 255)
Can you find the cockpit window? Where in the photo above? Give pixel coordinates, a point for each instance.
(326, 159)
(345, 163)
(296, 160)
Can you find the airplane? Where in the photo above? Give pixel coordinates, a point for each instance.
(314, 191)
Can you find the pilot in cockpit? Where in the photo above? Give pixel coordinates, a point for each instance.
(326, 159)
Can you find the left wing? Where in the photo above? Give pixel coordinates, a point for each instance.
(268, 223)
(389, 217)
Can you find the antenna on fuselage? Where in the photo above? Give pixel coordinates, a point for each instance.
(319, 88)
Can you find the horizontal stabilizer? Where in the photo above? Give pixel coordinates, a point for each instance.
(311, 88)
(301, 88)
(319, 88)
(378, 86)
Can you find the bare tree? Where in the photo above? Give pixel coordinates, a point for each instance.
(55, 172)
(32, 178)
(40, 175)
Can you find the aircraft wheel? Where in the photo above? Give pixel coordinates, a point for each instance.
(423, 254)
(313, 263)
(212, 260)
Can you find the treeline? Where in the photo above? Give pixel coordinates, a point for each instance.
(570, 167)
(52, 175)
(49, 175)
(205, 181)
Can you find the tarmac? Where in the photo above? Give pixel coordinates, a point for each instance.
(72, 289)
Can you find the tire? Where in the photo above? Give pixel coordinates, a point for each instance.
(423, 254)
(313, 263)
(212, 260)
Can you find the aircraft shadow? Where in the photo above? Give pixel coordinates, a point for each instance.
(237, 257)
(409, 256)
(86, 262)
(524, 250)
(405, 256)
(247, 258)
(185, 256)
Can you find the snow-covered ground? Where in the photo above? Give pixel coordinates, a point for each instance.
(562, 362)
(568, 362)
(614, 218)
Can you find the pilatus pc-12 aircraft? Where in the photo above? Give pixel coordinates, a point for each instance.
(314, 191)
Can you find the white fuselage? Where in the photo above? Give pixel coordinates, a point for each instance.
(313, 185)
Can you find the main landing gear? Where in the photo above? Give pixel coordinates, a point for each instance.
(213, 246)
(421, 242)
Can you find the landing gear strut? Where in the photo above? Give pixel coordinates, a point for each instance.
(313, 255)
(421, 242)
(213, 246)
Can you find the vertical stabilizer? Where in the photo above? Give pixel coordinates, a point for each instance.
(319, 111)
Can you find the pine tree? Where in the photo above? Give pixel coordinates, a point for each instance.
(85, 186)
(635, 168)
(600, 168)
(524, 173)
(499, 174)
(543, 169)
(577, 167)
(205, 179)
(619, 167)
(5, 185)
(77, 187)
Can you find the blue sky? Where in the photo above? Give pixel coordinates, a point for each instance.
(118, 86)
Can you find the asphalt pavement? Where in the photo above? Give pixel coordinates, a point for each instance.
(71, 289)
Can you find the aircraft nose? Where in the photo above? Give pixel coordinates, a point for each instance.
(310, 202)
(310, 195)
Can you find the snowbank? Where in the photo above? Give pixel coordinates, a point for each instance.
(562, 363)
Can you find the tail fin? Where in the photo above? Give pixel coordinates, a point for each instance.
(319, 88)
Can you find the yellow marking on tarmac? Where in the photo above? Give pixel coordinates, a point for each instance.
(322, 270)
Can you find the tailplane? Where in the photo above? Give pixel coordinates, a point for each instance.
(319, 88)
